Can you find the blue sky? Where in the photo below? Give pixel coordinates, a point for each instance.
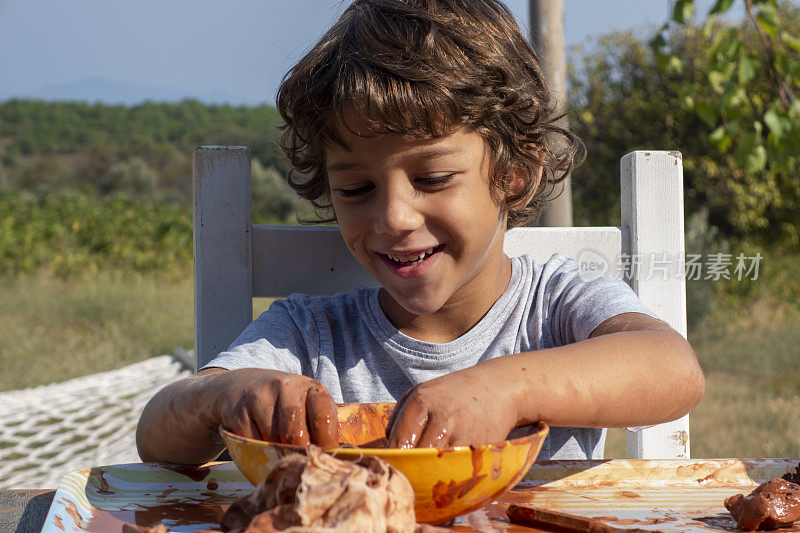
(234, 51)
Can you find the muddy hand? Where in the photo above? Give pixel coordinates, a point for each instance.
(457, 409)
(278, 407)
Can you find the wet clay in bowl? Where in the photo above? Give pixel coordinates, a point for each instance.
(447, 482)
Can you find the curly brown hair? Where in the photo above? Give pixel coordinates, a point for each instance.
(426, 68)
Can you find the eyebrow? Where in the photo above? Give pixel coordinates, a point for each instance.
(422, 153)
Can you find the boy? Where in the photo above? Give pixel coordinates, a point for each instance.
(423, 126)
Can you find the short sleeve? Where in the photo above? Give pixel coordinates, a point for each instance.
(577, 304)
(283, 338)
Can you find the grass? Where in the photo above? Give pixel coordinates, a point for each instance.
(752, 406)
(56, 329)
(751, 359)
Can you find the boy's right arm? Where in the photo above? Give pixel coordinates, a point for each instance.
(179, 424)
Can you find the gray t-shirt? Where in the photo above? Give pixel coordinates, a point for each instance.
(346, 342)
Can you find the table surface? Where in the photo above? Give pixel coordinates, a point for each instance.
(24, 511)
(646, 495)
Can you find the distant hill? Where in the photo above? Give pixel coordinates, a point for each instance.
(143, 150)
(101, 90)
(39, 127)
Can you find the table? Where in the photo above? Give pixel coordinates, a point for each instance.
(651, 495)
(24, 511)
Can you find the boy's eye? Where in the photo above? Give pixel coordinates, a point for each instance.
(424, 183)
(355, 191)
(435, 181)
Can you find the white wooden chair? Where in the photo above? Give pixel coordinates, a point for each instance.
(235, 261)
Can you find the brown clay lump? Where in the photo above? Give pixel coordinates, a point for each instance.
(773, 504)
(794, 477)
(317, 492)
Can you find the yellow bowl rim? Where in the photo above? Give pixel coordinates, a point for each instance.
(541, 428)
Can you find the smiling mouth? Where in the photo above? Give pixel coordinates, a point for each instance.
(412, 261)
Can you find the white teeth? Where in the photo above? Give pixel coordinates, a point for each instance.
(411, 259)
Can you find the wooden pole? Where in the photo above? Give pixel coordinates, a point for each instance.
(547, 38)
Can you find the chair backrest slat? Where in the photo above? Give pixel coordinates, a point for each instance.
(315, 260)
(310, 259)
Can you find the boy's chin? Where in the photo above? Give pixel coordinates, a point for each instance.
(413, 306)
(421, 310)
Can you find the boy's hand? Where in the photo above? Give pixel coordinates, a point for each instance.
(457, 409)
(278, 407)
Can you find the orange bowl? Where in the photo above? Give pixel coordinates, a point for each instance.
(447, 482)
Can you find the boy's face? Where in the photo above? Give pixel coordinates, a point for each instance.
(419, 215)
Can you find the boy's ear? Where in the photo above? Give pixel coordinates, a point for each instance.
(517, 184)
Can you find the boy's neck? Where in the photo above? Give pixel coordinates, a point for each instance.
(456, 317)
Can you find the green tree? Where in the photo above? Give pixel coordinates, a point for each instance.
(272, 197)
(133, 177)
(629, 95)
(747, 96)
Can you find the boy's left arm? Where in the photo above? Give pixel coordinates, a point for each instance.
(634, 370)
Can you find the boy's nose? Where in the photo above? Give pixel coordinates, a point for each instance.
(397, 213)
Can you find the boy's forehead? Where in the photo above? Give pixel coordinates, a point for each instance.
(365, 120)
(364, 142)
(357, 129)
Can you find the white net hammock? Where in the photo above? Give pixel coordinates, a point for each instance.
(48, 431)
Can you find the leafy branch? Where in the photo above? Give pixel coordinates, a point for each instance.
(752, 116)
(783, 86)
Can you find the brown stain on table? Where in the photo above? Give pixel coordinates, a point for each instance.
(172, 514)
(98, 476)
(194, 473)
(169, 490)
(72, 510)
